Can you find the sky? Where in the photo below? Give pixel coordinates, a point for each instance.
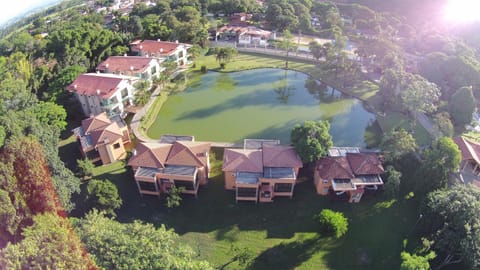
(18, 7)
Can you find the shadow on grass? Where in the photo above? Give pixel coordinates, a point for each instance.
(287, 255)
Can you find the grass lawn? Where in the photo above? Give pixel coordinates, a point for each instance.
(398, 120)
(283, 234)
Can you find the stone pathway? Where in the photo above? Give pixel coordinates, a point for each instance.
(135, 124)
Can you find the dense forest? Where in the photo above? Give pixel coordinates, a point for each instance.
(424, 66)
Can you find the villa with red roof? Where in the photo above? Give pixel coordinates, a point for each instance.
(99, 93)
(170, 51)
(470, 155)
(159, 166)
(103, 139)
(348, 173)
(145, 68)
(260, 174)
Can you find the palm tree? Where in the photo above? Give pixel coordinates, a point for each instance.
(287, 44)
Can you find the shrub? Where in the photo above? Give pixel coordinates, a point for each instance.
(85, 168)
(332, 223)
(103, 195)
(203, 69)
(222, 65)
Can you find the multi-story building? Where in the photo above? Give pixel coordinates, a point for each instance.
(145, 68)
(170, 51)
(108, 93)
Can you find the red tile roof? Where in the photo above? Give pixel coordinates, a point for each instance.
(151, 155)
(334, 168)
(95, 122)
(365, 163)
(470, 150)
(280, 157)
(109, 134)
(156, 155)
(189, 153)
(242, 160)
(124, 64)
(103, 85)
(154, 47)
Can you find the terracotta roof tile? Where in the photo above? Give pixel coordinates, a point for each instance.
(150, 155)
(243, 160)
(365, 163)
(155, 47)
(125, 64)
(280, 157)
(103, 85)
(470, 150)
(334, 168)
(188, 153)
(110, 134)
(95, 122)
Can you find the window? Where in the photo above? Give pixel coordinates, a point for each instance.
(116, 146)
(282, 187)
(147, 186)
(153, 71)
(246, 192)
(188, 185)
(325, 181)
(180, 54)
(124, 93)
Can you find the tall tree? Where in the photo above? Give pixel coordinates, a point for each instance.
(420, 96)
(441, 159)
(103, 195)
(462, 105)
(135, 245)
(286, 44)
(311, 140)
(451, 221)
(50, 243)
(397, 143)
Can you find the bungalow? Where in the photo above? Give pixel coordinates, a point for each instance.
(145, 68)
(103, 139)
(245, 35)
(170, 51)
(99, 93)
(348, 172)
(470, 155)
(261, 174)
(159, 166)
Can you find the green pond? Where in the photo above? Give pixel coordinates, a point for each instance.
(260, 103)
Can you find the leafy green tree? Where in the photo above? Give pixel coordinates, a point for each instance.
(51, 114)
(142, 93)
(462, 105)
(242, 255)
(136, 245)
(174, 197)
(397, 143)
(416, 262)
(332, 223)
(281, 15)
(225, 54)
(442, 158)
(49, 243)
(451, 222)
(316, 49)
(85, 167)
(444, 124)
(392, 185)
(311, 140)
(103, 195)
(286, 44)
(421, 96)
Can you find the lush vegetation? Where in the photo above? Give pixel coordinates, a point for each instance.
(311, 140)
(332, 223)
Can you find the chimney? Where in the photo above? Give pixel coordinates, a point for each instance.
(176, 41)
(106, 65)
(134, 152)
(131, 68)
(98, 92)
(75, 86)
(161, 50)
(141, 47)
(158, 40)
(124, 55)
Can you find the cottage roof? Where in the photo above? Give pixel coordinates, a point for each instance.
(155, 47)
(109, 134)
(279, 156)
(158, 155)
(103, 85)
(125, 64)
(365, 163)
(243, 160)
(470, 150)
(334, 168)
(189, 153)
(95, 122)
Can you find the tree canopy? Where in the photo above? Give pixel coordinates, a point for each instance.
(136, 245)
(462, 105)
(397, 143)
(311, 140)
